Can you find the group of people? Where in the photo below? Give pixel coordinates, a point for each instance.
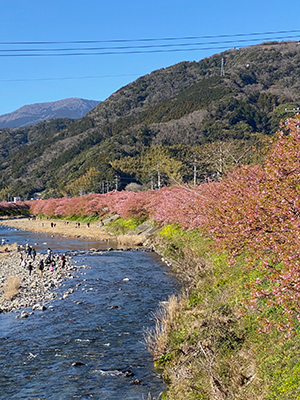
(50, 261)
(30, 252)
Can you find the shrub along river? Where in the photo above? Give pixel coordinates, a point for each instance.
(91, 344)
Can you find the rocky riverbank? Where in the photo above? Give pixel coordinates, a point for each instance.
(33, 291)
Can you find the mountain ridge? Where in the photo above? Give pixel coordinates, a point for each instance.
(31, 114)
(170, 116)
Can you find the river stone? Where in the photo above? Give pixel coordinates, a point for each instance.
(127, 372)
(136, 382)
(39, 307)
(24, 314)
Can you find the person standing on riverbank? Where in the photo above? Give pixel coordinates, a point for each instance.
(30, 267)
(49, 256)
(63, 261)
(28, 252)
(53, 266)
(41, 268)
(23, 262)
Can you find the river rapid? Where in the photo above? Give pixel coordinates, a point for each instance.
(89, 345)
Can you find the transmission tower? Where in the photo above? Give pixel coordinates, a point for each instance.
(222, 67)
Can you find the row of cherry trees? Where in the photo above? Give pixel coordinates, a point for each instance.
(255, 211)
(259, 211)
(7, 208)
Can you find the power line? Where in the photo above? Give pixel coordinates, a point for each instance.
(108, 53)
(123, 50)
(68, 78)
(118, 49)
(152, 39)
(128, 49)
(117, 52)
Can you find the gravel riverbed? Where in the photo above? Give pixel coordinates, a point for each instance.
(34, 291)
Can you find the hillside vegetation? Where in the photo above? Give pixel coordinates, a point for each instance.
(178, 115)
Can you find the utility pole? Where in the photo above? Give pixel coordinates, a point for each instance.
(116, 182)
(102, 187)
(158, 177)
(221, 162)
(195, 172)
(152, 182)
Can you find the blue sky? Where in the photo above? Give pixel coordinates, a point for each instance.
(33, 79)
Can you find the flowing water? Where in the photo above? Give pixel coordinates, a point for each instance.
(90, 345)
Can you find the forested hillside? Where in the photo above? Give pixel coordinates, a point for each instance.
(177, 123)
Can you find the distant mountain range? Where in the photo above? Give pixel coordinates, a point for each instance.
(32, 114)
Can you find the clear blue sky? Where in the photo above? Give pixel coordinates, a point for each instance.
(33, 79)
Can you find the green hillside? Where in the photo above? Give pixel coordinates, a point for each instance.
(160, 123)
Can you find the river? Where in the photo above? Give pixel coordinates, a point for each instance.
(91, 344)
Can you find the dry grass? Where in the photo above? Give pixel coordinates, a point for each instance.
(157, 338)
(131, 240)
(11, 288)
(6, 249)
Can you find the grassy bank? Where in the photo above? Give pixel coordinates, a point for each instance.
(206, 343)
